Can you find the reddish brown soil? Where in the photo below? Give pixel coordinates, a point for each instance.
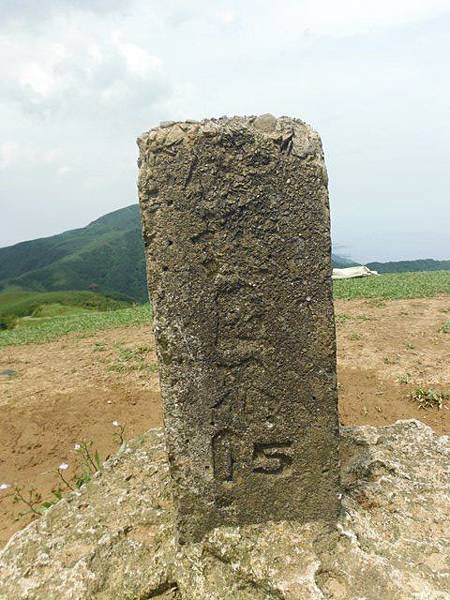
(71, 390)
(386, 350)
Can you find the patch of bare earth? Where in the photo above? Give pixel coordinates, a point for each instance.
(71, 390)
(386, 350)
(66, 392)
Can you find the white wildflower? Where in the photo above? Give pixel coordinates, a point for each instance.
(63, 467)
(4, 486)
(77, 447)
(116, 424)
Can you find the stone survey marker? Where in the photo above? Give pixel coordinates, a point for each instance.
(236, 227)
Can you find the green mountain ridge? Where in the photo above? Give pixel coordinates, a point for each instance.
(108, 256)
(410, 266)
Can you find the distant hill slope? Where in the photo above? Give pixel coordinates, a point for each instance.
(107, 255)
(405, 266)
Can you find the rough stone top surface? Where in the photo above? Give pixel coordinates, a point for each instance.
(295, 133)
(115, 537)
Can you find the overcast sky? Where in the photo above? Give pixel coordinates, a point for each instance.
(80, 79)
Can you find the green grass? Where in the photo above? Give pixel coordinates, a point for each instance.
(395, 286)
(131, 359)
(48, 312)
(88, 322)
(16, 303)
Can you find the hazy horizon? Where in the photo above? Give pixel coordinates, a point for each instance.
(81, 79)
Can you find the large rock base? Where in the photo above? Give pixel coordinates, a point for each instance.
(115, 538)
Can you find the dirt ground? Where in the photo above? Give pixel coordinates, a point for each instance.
(69, 391)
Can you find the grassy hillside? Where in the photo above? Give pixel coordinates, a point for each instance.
(394, 286)
(106, 256)
(16, 304)
(88, 322)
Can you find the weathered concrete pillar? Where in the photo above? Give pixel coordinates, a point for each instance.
(236, 226)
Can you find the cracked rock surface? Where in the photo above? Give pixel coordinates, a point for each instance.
(115, 538)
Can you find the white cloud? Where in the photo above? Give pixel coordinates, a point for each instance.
(64, 170)
(348, 17)
(31, 10)
(80, 66)
(139, 61)
(226, 16)
(84, 77)
(14, 154)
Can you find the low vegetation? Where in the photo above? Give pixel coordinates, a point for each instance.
(16, 304)
(131, 359)
(88, 322)
(429, 398)
(87, 464)
(446, 327)
(394, 286)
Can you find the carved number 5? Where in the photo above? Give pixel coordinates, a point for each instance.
(271, 458)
